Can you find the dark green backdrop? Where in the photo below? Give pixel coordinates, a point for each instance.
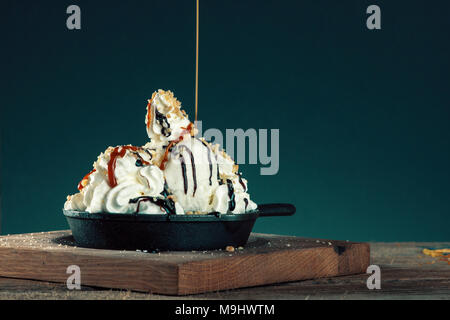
(363, 115)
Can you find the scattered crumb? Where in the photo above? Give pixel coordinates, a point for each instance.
(230, 248)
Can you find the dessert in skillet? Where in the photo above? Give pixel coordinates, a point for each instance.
(174, 173)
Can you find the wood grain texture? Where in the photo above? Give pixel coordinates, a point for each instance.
(405, 274)
(266, 259)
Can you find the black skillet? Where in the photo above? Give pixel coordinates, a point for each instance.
(167, 232)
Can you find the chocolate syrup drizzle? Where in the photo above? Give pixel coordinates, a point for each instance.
(209, 161)
(149, 153)
(218, 175)
(246, 203)
(183, 168)
(242, 183)
(162, 120)
(231, 195)
(140, 161)
(165, 191)
(172, 143)
(165, 204)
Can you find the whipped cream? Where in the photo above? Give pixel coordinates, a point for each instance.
(165, 121)
(174, 173)
(124, 180)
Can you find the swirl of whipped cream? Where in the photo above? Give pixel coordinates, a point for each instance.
(228, 199)
(165, 121)
(153, 178)
(75, 202)
(117, 199)
(120, 174)
(231, 195)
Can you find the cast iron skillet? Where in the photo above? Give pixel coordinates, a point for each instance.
(167, 232)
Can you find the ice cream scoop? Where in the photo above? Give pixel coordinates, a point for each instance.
(174, 173)
(165, 121)
(123, 180)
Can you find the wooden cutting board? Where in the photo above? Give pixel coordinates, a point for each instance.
(266, 259)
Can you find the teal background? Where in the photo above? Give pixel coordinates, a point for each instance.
(363, 115)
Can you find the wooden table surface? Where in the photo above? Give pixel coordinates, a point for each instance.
(406, 273)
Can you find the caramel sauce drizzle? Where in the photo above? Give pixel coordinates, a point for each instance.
(119, 152)
(196, 60)
(149, 113)
(174, 142)
(80, 184)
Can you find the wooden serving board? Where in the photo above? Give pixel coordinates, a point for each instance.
(266, 259)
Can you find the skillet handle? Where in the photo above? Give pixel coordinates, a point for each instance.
(276, 209)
